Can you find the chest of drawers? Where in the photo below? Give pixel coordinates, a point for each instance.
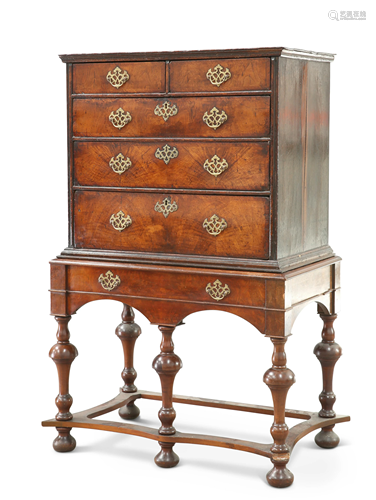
(199, 180)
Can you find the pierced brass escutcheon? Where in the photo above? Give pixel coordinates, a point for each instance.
(117, 77)
(215, 166)
(120, 118)
(109, 281)
(120, 221)
(166, 110)
(166, 207)
(214, 225)
(218, 75)
(166, 153)
(119, 164)
(214, 118)
(217, 291)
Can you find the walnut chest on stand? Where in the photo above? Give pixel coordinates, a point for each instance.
(199, 180)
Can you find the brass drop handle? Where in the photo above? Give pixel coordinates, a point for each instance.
(214, 118)
(120, 164)
(215, 225)
(120, 221)
(217, 291)
(215, 166)
(109, 281)
(120, 118)
(117, 77)
(218, 75)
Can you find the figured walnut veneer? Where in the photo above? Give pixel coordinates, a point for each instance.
(199, 181)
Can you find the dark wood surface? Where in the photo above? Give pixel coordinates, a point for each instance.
(198, 54)
(144, 77)
(328, 353)
(303, 152)
(247, 117)
(85, 419)
(290, 166)
(63, 353)
(271, 302)
(246, 74)
(167, 364)
(279, 379)
(128, 332)
(245, 290)
(248, 165)
(271, 260)
(181, 231)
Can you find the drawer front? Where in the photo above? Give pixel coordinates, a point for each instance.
(220, 75)
(173, 117)
(235, 226)
(185, 164)
(112, 78)
(248, 291)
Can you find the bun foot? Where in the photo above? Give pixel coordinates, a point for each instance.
(64, 441)
(129, 412)
(327, 438)
(166, 458)
(280, 476)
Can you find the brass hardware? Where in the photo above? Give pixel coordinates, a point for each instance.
(119, 118)
(218, 75)
(109, 281)
(166, 153)
(120, 221)
(214, 118)
(117, 78)
(214, 225)
(215, 166)
(119, 164)
(166, 110)
(217, 291)
(166, 207)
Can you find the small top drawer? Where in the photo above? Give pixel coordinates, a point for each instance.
(119, 78)
(218, 75)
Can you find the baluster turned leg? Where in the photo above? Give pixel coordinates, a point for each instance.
(328, 353)
(63, 353)
(128, 331)
(279, 379)
(167, 364)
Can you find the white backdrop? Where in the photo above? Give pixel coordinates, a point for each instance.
(232, 355)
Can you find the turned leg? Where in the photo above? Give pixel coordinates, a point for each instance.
(328, 353)
(279, 379)
(128, 331)
(167, 364)
(63, 353)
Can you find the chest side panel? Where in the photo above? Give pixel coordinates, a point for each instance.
(303, 156)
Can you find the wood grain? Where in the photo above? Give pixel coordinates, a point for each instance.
(247, 117)
(246, 74)
(303, 156)
(143, 77)
(197, 54)
(248, 165)
(182, 231)
(166, 284)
